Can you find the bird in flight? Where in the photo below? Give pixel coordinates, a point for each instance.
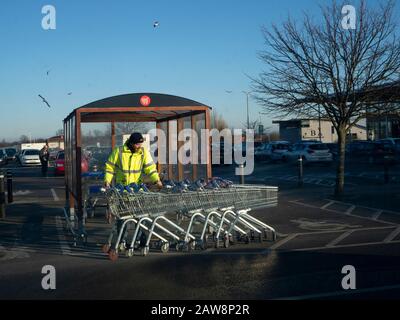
(228, 91)
(155, 24)
(69, 93)
(44, 100)
(48, 71)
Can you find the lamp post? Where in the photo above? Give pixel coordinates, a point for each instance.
(247, 102)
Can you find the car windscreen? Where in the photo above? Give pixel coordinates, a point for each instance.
(318, 146)
(2, 153)
(60, 156)
(11, 152)
(31, 153)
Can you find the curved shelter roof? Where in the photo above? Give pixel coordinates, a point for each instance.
(139, 107)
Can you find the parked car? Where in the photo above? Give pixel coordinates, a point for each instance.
(392, 143)
(3, 157)
(274, 151)
(360, 148)
(11, 153)
(310, 152)
(381, 153)
(30, 157)
(59, 164)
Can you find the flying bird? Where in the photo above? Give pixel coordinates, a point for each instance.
(155, 24)
(44, 100)
(69, 93)
(48, 71)
(228, 91)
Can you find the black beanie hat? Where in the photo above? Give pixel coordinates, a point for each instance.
(136, 137)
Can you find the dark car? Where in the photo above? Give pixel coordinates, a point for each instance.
(3, 157)
(11, 153)
(382, 153)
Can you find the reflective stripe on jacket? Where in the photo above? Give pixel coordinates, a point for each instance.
(128, 167)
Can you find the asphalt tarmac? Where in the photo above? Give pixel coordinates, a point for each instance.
(317, 237)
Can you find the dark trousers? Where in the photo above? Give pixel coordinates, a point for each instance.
(45, 166)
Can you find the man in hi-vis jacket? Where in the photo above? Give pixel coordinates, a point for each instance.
(128, 163)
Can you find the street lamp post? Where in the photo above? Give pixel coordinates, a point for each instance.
(247, 102)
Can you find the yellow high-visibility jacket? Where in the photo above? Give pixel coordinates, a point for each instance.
(128, 167)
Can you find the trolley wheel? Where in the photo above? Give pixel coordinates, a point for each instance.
(113, 255)
(144, 251)
(129, 253)
(105, 248)
(165, 247)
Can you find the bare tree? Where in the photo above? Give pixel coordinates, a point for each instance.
(332, 71)
(23, 139)
(218, 122)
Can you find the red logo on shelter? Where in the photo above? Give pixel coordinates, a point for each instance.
(145, 101)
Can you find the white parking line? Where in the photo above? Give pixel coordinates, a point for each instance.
(393, 235)
(350, 210)
(346, 246)
(336, 211)
(377, 214)
(327, 205)
(283, 241)
(334, 242)
(56, 198)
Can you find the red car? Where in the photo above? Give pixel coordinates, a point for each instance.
(59, 164)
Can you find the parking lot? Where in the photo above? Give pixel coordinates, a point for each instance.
(317, 236)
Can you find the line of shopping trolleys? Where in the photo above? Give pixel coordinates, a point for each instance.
(185, 215)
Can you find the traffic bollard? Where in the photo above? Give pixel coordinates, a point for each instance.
(10, 197)
(241, 175)
(300, 180)
(2, 198)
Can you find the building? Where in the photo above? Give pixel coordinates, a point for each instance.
(56, 142)
(296, 130)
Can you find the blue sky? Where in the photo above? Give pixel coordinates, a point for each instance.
(103, 48)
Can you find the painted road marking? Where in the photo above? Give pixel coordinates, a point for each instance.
(393, 235)
(336, 211)
(283, 241)
(346, 246)
(338, 239)
(327, 205)
(56, 198)
(350, 210)
(377, 214)
(364, 207)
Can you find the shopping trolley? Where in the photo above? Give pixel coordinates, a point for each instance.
(219, 209)
(93, 197)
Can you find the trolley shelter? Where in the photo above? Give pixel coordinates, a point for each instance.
(168, 113)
